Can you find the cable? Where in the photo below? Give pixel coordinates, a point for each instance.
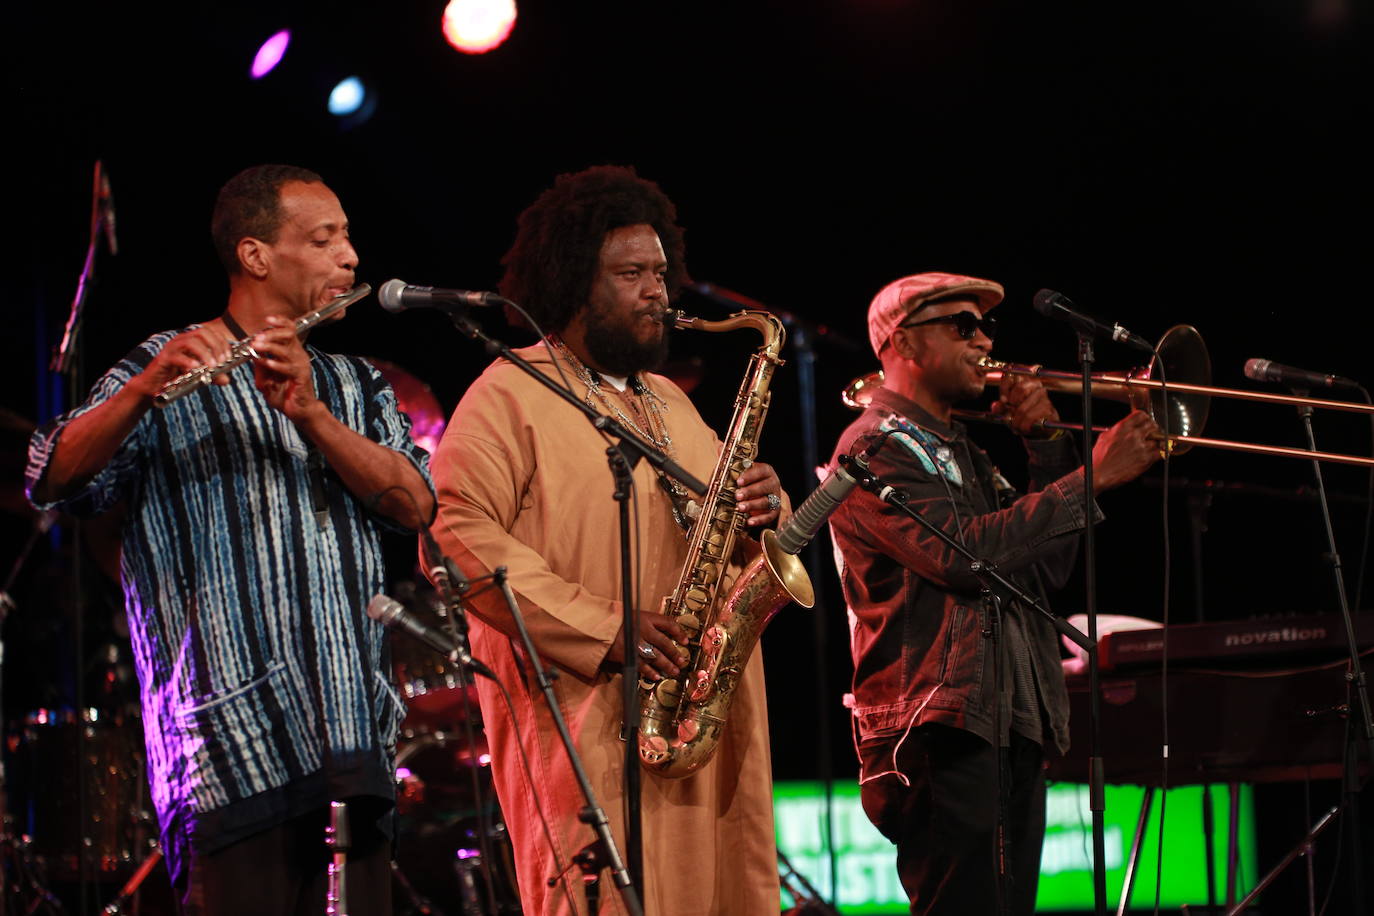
(1164, 652)
(1368, 515)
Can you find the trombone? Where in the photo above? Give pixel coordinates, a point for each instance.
(1185, 403)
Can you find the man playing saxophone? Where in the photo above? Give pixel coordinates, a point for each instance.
(250, 550)
(931, 727)
(523, 483)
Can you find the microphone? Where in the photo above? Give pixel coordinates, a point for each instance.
(1057, 306)
(397, 296)
(1263, 370)
(806, 522)
(798, 530)
(392, 614)
(105, 201)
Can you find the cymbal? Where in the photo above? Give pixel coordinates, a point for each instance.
(416, 401)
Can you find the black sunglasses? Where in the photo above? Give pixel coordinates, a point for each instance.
(966, 323)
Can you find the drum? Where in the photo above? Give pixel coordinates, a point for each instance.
(83, 788)
(445, 807)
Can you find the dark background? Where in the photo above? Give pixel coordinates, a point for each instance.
(1160, 163)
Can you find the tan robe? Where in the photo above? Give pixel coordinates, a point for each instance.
(523, 483)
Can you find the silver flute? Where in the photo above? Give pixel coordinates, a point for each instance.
(241, 351)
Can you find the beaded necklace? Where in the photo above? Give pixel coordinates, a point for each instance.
(679, 499)
(654, 406)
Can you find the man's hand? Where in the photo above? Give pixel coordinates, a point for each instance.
(1123, 452)
(755, 485)
(659, 633)
(188, 350)
(282, 371)
(1025, 404)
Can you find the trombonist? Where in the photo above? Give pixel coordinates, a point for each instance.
(928, 733)
(250, 550)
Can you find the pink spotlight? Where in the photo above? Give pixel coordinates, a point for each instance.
(477, 26)
(270, 54)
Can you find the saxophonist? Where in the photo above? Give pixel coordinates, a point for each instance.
(523, 483)
(251, 547)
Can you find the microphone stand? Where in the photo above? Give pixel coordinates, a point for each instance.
(452, 586)
(67, 362)
(603, 850)
(804, 344)
(621, 457)
(1350, 789)
(1097, 796)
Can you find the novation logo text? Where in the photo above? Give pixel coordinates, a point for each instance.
(1282, 636)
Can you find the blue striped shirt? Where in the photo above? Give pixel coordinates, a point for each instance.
(265, 691)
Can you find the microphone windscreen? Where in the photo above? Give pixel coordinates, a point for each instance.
(390, 295)
(1257, 370)
(1045, 300)
(383, 608)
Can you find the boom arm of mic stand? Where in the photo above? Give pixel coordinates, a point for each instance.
(980, 568)
(635, 446)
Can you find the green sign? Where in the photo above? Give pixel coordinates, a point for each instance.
(866, 869)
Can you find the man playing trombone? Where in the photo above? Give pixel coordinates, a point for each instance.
(929, 735)
(250, 550)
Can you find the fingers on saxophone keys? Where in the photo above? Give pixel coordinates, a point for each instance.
(655, 663)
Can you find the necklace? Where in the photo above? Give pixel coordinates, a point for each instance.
(654, 406)
(679, 500)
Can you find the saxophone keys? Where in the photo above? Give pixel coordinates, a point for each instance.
(653, 749)
(667, 692)
(701, 686)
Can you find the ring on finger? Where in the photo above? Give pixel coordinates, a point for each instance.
(774, 501)
(647, 651)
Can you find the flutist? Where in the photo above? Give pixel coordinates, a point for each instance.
(251, 547)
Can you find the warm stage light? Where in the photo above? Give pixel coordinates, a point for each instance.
(270, 54)
(477, 26)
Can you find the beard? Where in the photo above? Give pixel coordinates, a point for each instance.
(614, 348)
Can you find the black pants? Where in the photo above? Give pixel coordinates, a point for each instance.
(944, 824)
(283, 872)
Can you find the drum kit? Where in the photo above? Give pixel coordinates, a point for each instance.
(453, 854)
(452, 851)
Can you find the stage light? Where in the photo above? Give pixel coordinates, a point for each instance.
(270, 54)
(477, 26)
(347, 97)
(353, 102)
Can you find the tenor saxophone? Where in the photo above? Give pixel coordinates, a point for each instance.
(681, 719)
